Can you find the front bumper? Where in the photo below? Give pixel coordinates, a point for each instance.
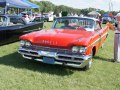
(77, 61)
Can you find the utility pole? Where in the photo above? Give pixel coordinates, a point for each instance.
(110, 6)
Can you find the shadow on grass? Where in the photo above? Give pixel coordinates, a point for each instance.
(16, 60)
(103, 59)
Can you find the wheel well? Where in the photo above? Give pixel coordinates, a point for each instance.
(94, 50)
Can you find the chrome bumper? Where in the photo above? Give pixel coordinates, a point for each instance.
(77, 61)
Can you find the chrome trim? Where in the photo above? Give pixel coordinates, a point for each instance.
(83, 60)
(98, 39)
(32, 30)
(83, 64)
(21, 49)
(50, 49)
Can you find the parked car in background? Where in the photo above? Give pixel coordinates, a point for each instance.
(106, 19)
(12, 26)
(38, 19)
(48, 17)
(72, 41)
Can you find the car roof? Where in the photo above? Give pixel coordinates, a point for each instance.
(11, 16)
(78, 17)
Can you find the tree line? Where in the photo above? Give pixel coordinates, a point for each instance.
(46, 6)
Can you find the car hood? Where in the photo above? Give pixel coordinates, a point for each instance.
(58, 37)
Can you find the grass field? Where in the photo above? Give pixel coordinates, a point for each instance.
(17, 73)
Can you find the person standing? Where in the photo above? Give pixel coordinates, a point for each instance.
(117, 39)
(27, 19)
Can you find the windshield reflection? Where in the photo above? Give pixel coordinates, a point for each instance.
(74, 23)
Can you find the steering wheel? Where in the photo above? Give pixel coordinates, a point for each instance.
(68, 27)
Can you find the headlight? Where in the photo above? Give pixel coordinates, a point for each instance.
(75, 49)
(78, 49)
(27, 44)
(82, 50)
(22, 42)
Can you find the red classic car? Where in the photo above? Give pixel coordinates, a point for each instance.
(72, 41)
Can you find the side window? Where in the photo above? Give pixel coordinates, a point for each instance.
(98, 27)
(16, 21)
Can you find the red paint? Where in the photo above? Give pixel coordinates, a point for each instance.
(64, 38)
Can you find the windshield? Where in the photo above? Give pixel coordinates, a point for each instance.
(107, 18)
(74, 24)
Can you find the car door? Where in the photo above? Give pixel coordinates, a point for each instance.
(98, 33)
(102, 33)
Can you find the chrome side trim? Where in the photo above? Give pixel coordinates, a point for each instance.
(98, 39)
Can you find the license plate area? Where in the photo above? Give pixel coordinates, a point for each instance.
(48, 60)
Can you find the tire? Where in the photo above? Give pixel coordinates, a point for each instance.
(88, 66)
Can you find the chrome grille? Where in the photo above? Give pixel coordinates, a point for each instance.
(50, 49)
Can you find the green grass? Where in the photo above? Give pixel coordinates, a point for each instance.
(48, 25)
(17, 73)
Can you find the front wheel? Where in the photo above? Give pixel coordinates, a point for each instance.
(88, 66)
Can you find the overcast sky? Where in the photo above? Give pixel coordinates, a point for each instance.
(100, 4)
